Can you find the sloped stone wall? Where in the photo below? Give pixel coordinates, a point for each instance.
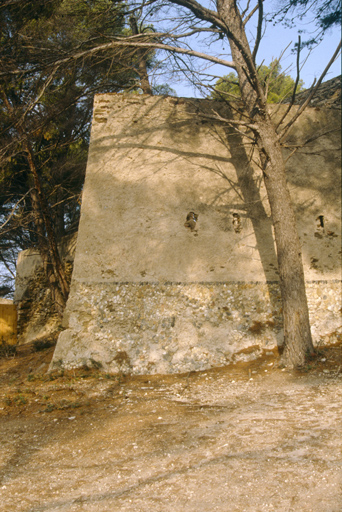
(151, 292)
(37, 316)
(172, 327)
(328, 95)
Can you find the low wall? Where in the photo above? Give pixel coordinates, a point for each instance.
(37, 317)
(175, 327)
(8, 323)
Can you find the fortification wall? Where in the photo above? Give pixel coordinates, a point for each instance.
(148, 294)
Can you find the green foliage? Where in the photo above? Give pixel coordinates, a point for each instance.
(163, 89)
(48, 101)
(326, 14)
(226, 87)
(276, 84)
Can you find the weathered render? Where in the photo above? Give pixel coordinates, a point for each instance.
(152, 292)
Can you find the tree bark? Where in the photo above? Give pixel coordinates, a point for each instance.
(297, 333)
(47, 244)
(142, 57)
(46, 237)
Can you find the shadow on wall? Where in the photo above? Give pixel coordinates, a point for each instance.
(314, 173)
(248, 187)
(154, 169)
(152, 278)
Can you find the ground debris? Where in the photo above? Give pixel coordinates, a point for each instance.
(249, 437)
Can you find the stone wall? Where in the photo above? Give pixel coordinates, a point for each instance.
(328, 95)
(172, 327)
(37, 317)
(149, 294)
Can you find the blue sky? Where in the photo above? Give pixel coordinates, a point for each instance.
(278, 37)
(274, 42)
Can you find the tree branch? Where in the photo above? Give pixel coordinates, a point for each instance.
(13, 210)
(253, 11)
(295, 86)
(296, 147)
(8, 268)
(259, 29)
(246, 10)
(201, 12)
(286, 128)
(218, 117)
(130, 42)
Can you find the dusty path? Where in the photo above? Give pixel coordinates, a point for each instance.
(234, 439)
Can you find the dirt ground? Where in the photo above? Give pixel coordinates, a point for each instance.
(250, 437)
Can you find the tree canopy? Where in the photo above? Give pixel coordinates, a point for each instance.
(277, 85)
(324, 15)
(45, 113)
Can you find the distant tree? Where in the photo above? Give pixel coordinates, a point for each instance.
(163, 89)
(277, 85)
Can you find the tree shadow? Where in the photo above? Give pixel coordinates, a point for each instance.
(248, 189)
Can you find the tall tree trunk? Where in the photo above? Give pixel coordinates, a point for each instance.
(46, 239)
(43, 248)
(47, 245)
(297, 333)
(142, 58)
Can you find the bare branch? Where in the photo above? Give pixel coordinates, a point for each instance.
(259, 29)
(296, 147)
(301, 109)
(218, 117)
(8, 268)
(253, 11)
(34, 102)
(213, 17)
(295, 85)
(132, 42)
(225, 94)
(201, 12)
(246, 10)
(13, 210)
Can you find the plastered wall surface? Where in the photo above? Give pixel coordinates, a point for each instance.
(151, 294)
